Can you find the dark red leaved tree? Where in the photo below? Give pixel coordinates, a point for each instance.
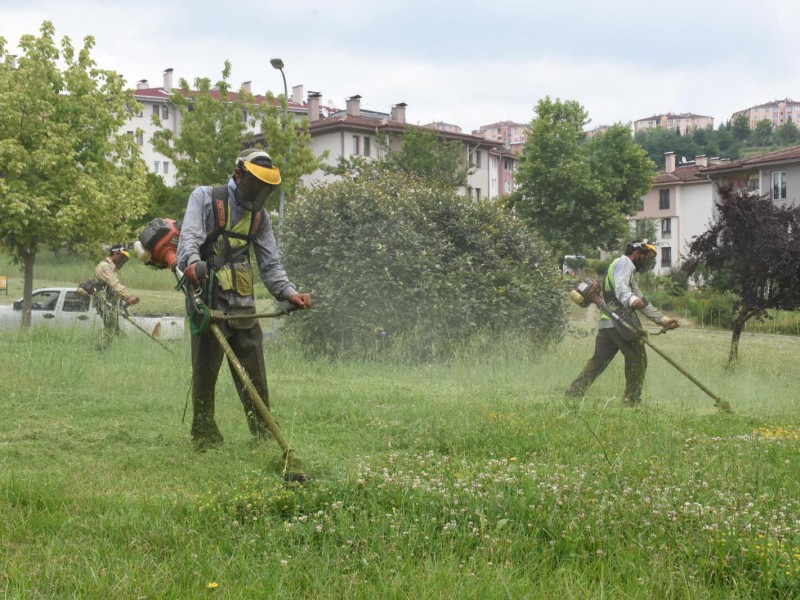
(754, 246)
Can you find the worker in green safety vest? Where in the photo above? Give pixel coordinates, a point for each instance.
(622, 295)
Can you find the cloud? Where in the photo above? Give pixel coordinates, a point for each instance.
(467, 63)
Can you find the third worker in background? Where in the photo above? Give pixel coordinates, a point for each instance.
(111, 294)
(621, 293)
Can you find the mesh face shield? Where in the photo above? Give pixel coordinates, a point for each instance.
(252, 192)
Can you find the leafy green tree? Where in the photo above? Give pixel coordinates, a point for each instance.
(577, 194)
(762, 134)
(397, 261)
(67, 174)
(217, 123)
(289, 142)
(213, 128)
(659, 140)
(425, 154)
(786, 134)
(740, 128)
(754, 248)
(643, 229)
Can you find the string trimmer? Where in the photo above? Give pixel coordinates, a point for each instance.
(588, 292)
(157, 246)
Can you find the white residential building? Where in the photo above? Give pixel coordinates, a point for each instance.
(354, 132)
(156, 101)
(681, 202)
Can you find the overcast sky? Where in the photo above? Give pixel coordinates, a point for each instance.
(459, 61)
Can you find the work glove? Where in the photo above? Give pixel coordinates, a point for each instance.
(191, 273)
(670, 324)
(131, 300)
(301, 300)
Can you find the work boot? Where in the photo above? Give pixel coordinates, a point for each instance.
(631, 402)
(205, 433)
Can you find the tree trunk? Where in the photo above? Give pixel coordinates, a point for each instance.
(738, 326)
(27, 287)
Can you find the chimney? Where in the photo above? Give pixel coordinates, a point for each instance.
(142, 84)
(701, 161)
(168, 80)
(247, 87)
(399, 112)
(669, 159)
(297, 94)
(314, 99)
(354, 106)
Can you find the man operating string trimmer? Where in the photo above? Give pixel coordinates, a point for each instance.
(219, 227)
(621, 293)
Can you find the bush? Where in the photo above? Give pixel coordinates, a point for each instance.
(391, 260)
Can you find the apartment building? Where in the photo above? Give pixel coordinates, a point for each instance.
(684, 122)
(776, 112)
(343, 133)
(508, 133)
(155, 101)
(681, 202)
(355, 130)
(775, 173)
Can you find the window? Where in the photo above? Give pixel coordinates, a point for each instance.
(166, 167)
(508, 187)
(165, 112)
(779, 186)
(140, 138)
(666, 228)
(156, 112)
(44, 300)
(367, 144)
(478, 193)
(663, 199)
(156, 166)
(355, 147)
(74, 302)
(478, 159)
(507, 162)
(666, 257)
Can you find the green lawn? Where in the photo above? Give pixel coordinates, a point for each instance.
(471, 479)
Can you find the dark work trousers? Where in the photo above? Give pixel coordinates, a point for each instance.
(207, 357)
(606, 345)
(110, 316)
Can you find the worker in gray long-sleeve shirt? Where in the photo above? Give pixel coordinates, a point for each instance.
(224, 244)
(622, 295)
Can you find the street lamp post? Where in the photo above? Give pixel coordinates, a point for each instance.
(277, 63)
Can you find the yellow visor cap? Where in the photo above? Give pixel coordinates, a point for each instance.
(269, 175)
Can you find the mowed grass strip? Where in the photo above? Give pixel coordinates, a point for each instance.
(467, 479)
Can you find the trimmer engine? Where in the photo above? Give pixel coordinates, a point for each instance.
(586, 292)
(158, 243)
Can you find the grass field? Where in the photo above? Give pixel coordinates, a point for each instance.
(472, 479)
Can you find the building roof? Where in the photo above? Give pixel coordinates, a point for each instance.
(784, 155)
(681, 175)
(160, 93)
(387, 125)
(675, 116)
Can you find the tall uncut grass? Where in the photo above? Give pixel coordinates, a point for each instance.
(471, 479)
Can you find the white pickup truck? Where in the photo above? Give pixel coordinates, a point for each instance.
(65, 307)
